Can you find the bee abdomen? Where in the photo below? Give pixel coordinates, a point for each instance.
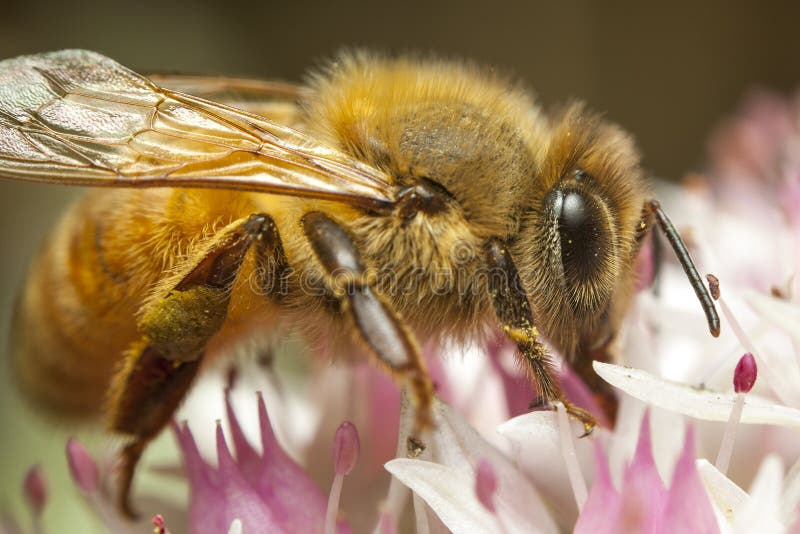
(69, 328)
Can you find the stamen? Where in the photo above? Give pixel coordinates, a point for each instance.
(570, 457)
(743, 338)
(346, 448)
(35, 490)
(82, 467)
(393, 506)
(386, 523)
(397, 496)
(772, 380)
(744, 376)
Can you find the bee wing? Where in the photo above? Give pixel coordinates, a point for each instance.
(278, 101)
(76, 117)
(229, 90)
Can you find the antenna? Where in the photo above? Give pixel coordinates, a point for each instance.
(685, 259)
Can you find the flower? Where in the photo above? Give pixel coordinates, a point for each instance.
(266, 491)
(643, 503)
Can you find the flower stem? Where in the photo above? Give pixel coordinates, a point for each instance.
(726, 447)
(570, 458)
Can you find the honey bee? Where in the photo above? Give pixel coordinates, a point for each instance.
(385, 202)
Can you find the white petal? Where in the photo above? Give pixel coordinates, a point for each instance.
(726, 496)
(701, 404)
(760, 514)
(791, 495)
(785, 315)
(447, 491)
(457, 447)
(535, 446)
(537, 427)
(457, 444)
(743, 513)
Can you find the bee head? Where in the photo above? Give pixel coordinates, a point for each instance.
(578, 237)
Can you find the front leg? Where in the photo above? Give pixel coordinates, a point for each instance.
(159, 369)
(514, 315)
(384, 333)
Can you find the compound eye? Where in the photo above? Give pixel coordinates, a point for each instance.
(582, 234)
(573, 212)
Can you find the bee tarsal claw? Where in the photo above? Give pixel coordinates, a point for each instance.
(587, 419)
(587, 431)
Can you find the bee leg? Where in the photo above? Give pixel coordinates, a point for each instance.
(379, 326)
(604, 393)
(159, 369)
(513, 312)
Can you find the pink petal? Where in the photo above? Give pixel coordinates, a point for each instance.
(282, 480)
(82, 467)
(687, 507)
(246, 455)
(643, 493)
(267, 492)
(602, 506)
(382, 400)
(485, 483)
(234, 498)
(200, 475)
(518, 391)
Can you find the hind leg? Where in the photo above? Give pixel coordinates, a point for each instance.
(159, 368)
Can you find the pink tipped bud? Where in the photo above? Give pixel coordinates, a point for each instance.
(35, 489)
(346, 448)
(82, 467)
(485, 483)
(744, 376)
(159, 525)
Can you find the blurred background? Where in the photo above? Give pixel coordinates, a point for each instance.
(668, 73)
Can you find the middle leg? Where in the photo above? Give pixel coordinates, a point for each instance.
(383, 331)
